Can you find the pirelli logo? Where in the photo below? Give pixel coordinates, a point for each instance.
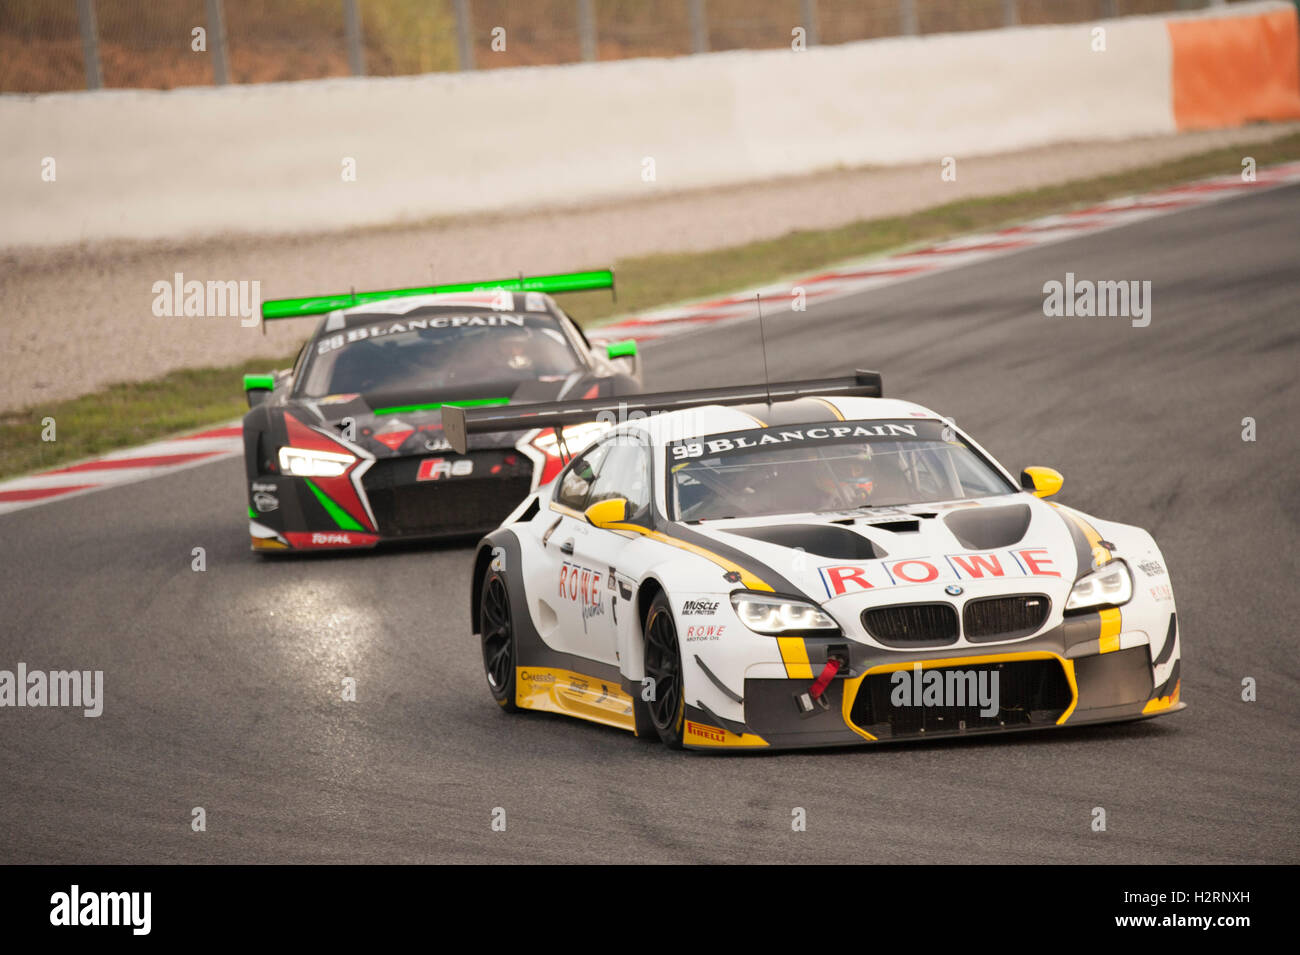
(711, 733)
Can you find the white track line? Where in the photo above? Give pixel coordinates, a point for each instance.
(854, 277)
(121, 467)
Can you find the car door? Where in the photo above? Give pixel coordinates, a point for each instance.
(587, 556)
(566, 595)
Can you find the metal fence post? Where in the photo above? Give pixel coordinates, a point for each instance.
(587, 30)
(808, 9)
(352, 30)
(217, 42)
(90, 43)
(464, 35)
(699, 27)
(1009, 16)
(907, 17)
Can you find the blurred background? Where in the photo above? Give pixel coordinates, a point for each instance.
(50, 45)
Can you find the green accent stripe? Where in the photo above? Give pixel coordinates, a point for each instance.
(621, 349)
(467, 403)
(258, 382)
(550, 284)
(252, 514)
(341, 517)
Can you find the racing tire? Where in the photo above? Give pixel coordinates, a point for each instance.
(500, 650)
(642, 725)
(663, 665)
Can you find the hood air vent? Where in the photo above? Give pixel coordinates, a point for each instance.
(897, 527)
(824, 540)
(984, 528)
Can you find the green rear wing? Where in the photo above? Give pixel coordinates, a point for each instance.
(547, 284)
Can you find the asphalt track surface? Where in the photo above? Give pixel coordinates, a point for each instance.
(223, 687)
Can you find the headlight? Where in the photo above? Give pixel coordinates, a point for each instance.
(576, 437)
(779, 614)
(1112, 585)
(304, 463)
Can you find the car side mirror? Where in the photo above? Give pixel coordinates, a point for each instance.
(257, 388)
(615, 510)
(624, 356)
(1044, 482)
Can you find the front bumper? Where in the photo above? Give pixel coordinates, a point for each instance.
(398, 499)
(1073, 674)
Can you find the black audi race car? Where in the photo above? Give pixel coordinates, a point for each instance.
(346, 449)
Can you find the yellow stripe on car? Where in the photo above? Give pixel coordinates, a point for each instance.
(1156, 704)
(590, 698)
(794, 654)
(1110, 627)
(1100, 554)
(839, 416)
(747, 580)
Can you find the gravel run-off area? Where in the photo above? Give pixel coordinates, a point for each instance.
(74, 319)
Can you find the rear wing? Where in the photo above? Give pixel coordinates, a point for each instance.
(459, 423)
(547, 284)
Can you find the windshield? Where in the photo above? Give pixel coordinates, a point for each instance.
(435, 350)
(837, 465)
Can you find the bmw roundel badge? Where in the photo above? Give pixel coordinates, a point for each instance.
(952, 590)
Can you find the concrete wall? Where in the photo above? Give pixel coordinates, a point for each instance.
(196, 162)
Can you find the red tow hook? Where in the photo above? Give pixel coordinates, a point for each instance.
(824, 680)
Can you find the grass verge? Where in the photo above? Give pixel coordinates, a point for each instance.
(124, 414)
(131, 413)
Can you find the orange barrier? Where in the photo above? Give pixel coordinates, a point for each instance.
(1234, 70)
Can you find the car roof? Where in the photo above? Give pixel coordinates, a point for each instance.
(487, 302)
(669, 426)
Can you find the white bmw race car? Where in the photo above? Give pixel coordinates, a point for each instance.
(809, 564)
